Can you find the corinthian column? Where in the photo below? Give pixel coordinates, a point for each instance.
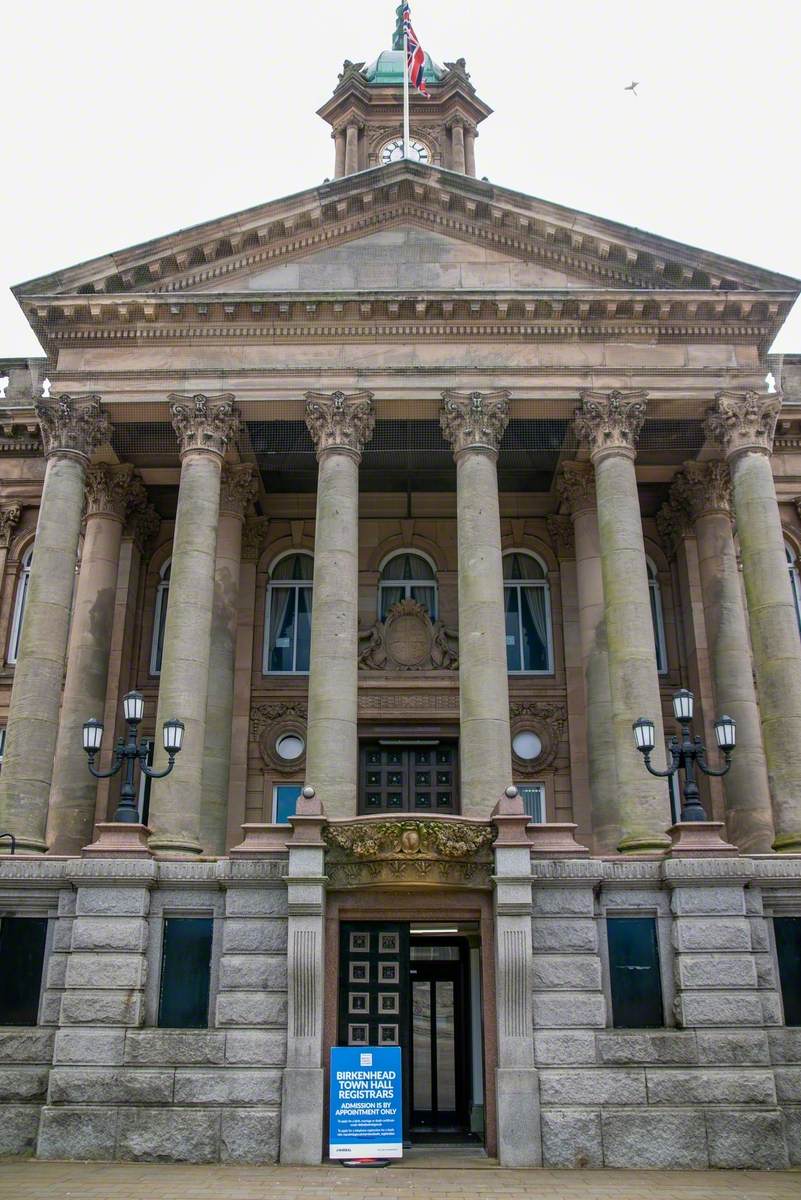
(111, 494)
(474, 424)
(340, 427)
(610, 424)
(744, 423)
(576, 486)
(72, 427)
(236, 495)
(205, 426)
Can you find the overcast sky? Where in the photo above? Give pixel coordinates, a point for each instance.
(121, 122)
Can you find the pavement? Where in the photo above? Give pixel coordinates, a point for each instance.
(32, 1180)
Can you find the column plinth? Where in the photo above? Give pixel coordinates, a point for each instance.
(72, 428)
(205, 426)
(743, 424)
(340, 427)
(610, 425)
(474, 424)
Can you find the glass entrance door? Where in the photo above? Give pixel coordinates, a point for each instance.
(439, 1051)
(412, 777)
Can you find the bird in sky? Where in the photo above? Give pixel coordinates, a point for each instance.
(632, 88)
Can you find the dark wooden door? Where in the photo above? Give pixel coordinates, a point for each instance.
(412, 777)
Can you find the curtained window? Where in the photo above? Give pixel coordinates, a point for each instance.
(287, 639)
(527, 601)
(655, 594)
(795, 582)
(160, 618)
(407, 576)
(20, 601)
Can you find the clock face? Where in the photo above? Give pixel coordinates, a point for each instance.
(393, 151)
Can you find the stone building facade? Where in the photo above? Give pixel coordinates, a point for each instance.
(407, 495)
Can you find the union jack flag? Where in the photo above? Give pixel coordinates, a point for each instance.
(415, 54)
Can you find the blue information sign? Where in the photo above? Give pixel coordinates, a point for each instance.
(366, 1102)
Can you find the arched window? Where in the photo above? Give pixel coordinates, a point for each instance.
(19, 604)
(795, 581)
(288, 620)
(655, 593)
(407, 576)
(527, 600)
(160, 618)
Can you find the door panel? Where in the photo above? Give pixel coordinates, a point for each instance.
(410, 778)
(439, 1045)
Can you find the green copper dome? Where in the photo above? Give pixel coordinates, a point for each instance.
(388, 70)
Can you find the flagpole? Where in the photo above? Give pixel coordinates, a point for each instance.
(406, 135)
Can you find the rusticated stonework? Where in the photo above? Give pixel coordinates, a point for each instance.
(254, 535)
(9, 520)
(742, 421)
(408, 640)
(702, 488)
(474, 420)
(74, 425)
(238, 488)
(114, 491)
(562, 536)
(340, 422)
(610, 423)
(444, 853)
(204, 422)
(576, 486)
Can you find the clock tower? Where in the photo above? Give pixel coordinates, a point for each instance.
(366, 116)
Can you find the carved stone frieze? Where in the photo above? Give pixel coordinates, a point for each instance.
(703, 488)
(610, 422)
(264, 715)
(204, 422)
(575, 484)
(562, 536)
(337, 421)
(389, 853)
(546, 718)
(74, 425)
(9, 520)
(408, 703)
(254, 535)
(408, 640)
(238, 488)
(114, 491)
(742, 421)
(474, 420)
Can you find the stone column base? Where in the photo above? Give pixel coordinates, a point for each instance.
(695, 839)
(302, 1094)
(118, 839)
(519, 1135)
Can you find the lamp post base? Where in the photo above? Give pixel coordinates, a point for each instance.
(698, 839)
(117, 839)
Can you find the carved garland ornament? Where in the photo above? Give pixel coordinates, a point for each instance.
(408, 640)
(74, 425)
(410, 839)
(204, 422)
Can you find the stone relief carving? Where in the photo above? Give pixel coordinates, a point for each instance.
(238, 487)
(562, 536)
(743, 421)
(142, 525)
(546, 718)
(474, 419)
(610, 421)
(702, 488)
(673, 522)
(340, 421)
(73, 424)
(408, 640)
(204, 422)
(576, 486)
(114, 490)
(254, 535)
(9, 520)
(409, 702)
(264, 715)
(443, 853)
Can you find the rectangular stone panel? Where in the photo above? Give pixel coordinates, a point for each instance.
(102, 1008)
(169, 1135)
(109, 1085)
(565, 1010)
(19, 1128)
(719, 1008)
(699, 933)
(749, 1141)
(26, 1045)
(709, 1086)
(112, 902)
(736, 1047)
(87, 1134)
(104, 933)
(257, 971)
(569, 935)
(564, 1047)
(156, 1047)
(97, 1047)
(596, 1087)
(256, 936)
(23, 1083)
(571, 1138)
(670, 1139)
(716, 971)
(105, 971)
(252, 1008)
(256, 902)
(256, 1047)
(250, 1135)
(227, 1086)
(628, 1049)
(574, 971)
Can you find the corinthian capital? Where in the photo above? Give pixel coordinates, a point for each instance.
(238, 488)
(204, 422)
(142, 526)
(9, 520)
(254, 535)
(562, 536)
(576, 486)
(610, 422)
(703, 488)
(673, 523)
(742, 421)
(73, 425)
(339, 422)
(474, 420)
(114, 491)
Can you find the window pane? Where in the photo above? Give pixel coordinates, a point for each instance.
(522, 566)
(285, 799)
(390, 596)
(656, 617)
(303, 648)
(22, 947)
(511, 598)
(282, 628)
(788, 952)
(427, 596)
(296, 566)
(162, 597)
(185, 973)
(634, 973)
(407, 566)
(533, 797)
(535, 629)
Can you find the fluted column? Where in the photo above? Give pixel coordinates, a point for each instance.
(72, 427)
(205, 426)
(744, 423)
(351, 148)
(237, 493)
(474, 424)
(703, 490)
(576, 486)
(340, 427)
(610, 424)
(111, 494)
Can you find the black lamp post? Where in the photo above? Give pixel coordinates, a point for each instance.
(688, 752)
(133, 705)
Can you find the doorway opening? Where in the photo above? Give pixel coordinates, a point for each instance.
(418, 986)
